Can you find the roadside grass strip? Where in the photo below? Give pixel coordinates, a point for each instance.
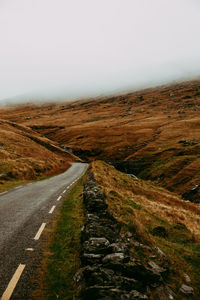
(61, 257)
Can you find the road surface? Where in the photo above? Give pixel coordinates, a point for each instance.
(24, 213)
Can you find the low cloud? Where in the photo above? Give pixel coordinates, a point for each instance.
(70, 48)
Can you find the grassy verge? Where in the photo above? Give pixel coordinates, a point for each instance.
(10, 184)
(62, 252)
(6, 185)
(142, 208)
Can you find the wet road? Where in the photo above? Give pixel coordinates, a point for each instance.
(24, 213)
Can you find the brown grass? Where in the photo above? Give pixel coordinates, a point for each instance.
(127, 127)
(141, 206)
(24, 155)
(151, 198)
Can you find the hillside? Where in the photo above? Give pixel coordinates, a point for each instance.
(25, 155)
(153, 218)
(154, 137)
(154, 133)
(119, 237)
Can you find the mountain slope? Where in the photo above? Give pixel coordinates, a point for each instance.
(25, 155)
(159, 227)
(154, 133)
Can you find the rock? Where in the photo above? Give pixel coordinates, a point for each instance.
(160, 231)
(79, 276)
(136, 295)
(106, 277)
(192, 194)
(186, 290)
(129, 234)
(187, 278)
(99, 276)
(91, 217)
(115, 258)
(136, 271)
(109, 272)
(136, 244)
(90, 258)
(96, 205)
(96, 245)
(101, 292)
(157, 269)
(194, 188)
(108, 293)
(160, 252)
(102, 229)
(3, 176)
(146, 247)
(118, 248)
(133, 176)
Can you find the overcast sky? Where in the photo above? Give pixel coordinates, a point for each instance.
(90, 47)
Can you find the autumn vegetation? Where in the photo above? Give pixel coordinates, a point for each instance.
(155, 133)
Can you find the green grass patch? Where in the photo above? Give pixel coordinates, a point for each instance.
(10, 184)
(62, 260)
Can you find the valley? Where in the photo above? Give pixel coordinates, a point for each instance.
(143, 150)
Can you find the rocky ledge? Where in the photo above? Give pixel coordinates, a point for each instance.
(108, 271)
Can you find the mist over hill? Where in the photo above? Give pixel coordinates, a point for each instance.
(75, 49)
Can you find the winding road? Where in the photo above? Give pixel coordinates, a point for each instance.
(24, 213)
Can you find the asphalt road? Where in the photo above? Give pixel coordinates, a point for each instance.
(24, 212)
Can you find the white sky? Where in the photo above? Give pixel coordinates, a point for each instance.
(90, 47)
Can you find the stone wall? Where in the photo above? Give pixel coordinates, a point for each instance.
(108, 271)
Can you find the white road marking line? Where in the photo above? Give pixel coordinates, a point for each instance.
(13, 282)
(59, 198)
(52, 209)
(64, 191)
(38, 234)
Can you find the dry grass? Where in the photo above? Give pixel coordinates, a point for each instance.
(61, 249)
(24, 155)
(141, 207)
(128, 127)
(129, 192)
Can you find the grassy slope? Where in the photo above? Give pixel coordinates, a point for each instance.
(144, 127)
(55, 276)
(25, 155)
(141, 207)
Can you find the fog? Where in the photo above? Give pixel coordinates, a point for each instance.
(79, 48)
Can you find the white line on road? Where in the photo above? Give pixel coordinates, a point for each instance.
(59, 198)
(64, 191)
(52, 209)
(38, 234)
(13, 282)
